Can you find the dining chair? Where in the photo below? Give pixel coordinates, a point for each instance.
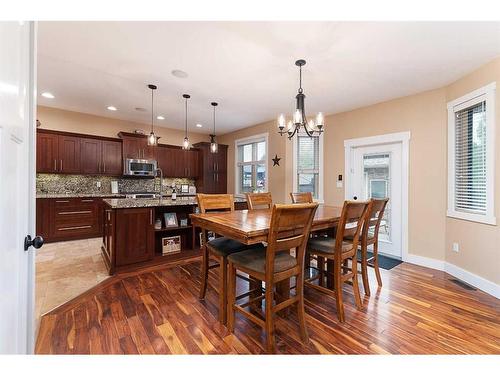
(369, 236)
(259, 200)
(302, 197)
(217, 249)
(341, 249)
(289, 228)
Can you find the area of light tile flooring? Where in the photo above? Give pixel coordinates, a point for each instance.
(66, 269)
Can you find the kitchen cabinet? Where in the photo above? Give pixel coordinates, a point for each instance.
(134, 232)
(213, 172)
(91, 151)
(135, 146)
(101, 157)
(46, 152)
(112, 160)
(176, 162)
(69, 149)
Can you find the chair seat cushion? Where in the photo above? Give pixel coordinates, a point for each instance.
(255, 260)
(326, 245)
(224, 246)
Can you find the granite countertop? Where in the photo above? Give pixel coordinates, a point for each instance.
(155, 202)
(79, 195)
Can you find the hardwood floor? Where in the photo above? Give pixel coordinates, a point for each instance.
(417, 311)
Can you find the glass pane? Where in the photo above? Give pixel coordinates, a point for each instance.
(247, 152)
(261, 178)
(308, 153)
(246, 179)
(261, 150)
(308, 182)
(376, 176)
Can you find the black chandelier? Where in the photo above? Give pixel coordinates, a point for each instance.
(299, 119)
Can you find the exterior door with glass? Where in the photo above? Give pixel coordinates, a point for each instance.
(376, 172)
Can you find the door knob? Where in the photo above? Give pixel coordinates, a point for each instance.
(36, 242)
(355, 198)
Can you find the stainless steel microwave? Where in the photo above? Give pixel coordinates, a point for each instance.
(140, 167)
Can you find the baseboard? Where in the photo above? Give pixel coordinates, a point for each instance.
(470, 278)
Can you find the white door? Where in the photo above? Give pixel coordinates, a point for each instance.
(17, 189)
(376, 172)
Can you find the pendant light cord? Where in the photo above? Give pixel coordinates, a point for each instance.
(186, 120)
(214, 120)
(152, 110)
(300, 79)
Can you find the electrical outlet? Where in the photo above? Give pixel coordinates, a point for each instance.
(98, 183)
(455, 247)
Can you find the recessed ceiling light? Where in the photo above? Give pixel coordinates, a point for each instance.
(111, 108)
(160, 117)
(179, 73)
(199, 125)
(48, 95)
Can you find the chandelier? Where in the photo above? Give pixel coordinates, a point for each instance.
(299, 118)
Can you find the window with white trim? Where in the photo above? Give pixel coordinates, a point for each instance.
(251, 164)
(308, 165)
(471, 156)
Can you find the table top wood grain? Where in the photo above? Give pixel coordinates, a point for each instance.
(252, 226)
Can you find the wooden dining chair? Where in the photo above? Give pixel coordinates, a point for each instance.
(302, 197)
(289, 228)
(259, 200)
(369, 236)
(341, 249)
(217, 249)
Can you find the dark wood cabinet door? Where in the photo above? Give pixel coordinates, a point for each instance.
(134, 235)
(46, 153)
(43, 218)
(91, 156)
(192, 163)
(112, 161)
(148, 152)
(131, 148)
(69, 154)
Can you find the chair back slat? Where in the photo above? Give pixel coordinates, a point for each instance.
(289, 228)
(259, 200)
(302, 197)
(215, 202)
(350, 225)
(374, 218)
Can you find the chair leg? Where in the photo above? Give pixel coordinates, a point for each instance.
(364, 269)
(375, 263)
(231, 297)
(337, 275)
(270, 340)
(355, 285)
(223, 290)
(320, 262)
(204, 273)
(300, 308)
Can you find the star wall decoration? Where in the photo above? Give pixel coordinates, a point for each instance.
(276, 160)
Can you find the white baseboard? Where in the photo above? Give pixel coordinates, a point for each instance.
(470, 278)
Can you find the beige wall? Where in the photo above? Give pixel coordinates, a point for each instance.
(431, 233)
(77, 122)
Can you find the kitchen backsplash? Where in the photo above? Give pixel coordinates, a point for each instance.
(80, 184)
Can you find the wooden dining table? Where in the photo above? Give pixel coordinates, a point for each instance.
(252, 226)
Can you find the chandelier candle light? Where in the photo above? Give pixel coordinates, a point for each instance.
(214, 147)
(299, 118)
(185, 143)
(152, 138)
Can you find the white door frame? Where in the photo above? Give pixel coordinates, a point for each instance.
(404, 139)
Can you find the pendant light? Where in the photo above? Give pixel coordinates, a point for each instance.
(152, 137)
(214, 147)
(185, 143)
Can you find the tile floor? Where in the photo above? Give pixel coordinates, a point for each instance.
(66, 269)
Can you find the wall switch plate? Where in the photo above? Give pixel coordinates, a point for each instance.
(456, 247)
(98, 183)
(339, 184)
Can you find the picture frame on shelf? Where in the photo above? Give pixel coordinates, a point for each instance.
(184, 222)
(170, 220)
(171, 245)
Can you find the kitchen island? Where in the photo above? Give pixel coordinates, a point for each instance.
(131, 239)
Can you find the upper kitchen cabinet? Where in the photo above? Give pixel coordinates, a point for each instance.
(135, 146)
(46, 152)
(176, 162)
(112, 160)
(102, 157)
(213, 169)
(69, 149)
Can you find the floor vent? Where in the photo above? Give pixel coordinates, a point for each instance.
(462, 284)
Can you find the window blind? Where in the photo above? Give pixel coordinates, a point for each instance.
(308, 164)
(470, 159)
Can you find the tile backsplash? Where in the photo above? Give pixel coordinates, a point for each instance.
(82, 184)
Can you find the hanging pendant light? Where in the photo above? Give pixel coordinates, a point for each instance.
(152, 137)
(185, 143)
(214, 147)
(299, 119)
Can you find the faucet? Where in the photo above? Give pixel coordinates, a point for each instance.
(161, 180)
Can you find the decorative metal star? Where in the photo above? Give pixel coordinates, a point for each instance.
(276, 160)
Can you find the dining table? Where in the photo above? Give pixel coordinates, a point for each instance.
(252, 227)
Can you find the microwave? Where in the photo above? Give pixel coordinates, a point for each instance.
(140, 167)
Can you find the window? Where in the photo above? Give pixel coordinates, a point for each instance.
(308, 165)
(251, 164)
(471, 156)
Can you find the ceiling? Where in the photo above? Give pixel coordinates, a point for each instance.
(248, 67)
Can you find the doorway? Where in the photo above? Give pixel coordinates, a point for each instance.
(377, 167)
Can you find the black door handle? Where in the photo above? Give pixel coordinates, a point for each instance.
(355, 198)
(36, 242)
